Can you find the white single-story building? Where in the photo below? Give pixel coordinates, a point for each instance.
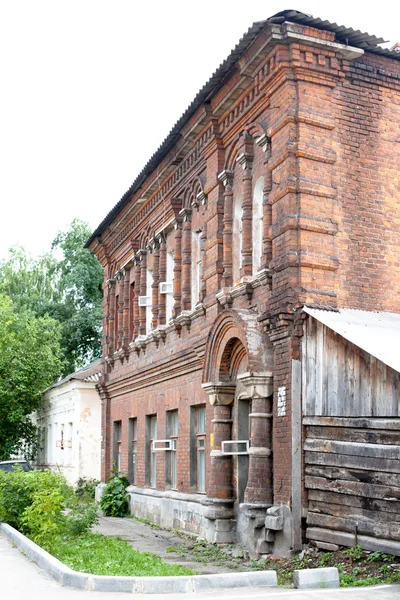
(69, 425)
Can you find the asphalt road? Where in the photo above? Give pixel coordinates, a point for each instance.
(21, 579)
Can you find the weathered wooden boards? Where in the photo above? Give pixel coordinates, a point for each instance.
(340, 379)
(352, 477)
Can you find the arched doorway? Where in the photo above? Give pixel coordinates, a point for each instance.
(240, 391)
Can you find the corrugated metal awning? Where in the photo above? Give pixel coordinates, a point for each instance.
(378, 333)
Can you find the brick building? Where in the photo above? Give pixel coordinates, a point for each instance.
(278, 189)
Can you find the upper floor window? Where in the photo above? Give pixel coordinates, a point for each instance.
(258, 196)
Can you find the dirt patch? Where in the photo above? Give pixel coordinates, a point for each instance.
(356, 567)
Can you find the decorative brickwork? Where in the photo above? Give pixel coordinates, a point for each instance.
(296, 144)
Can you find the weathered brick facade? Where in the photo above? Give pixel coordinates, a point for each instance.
(279, 188)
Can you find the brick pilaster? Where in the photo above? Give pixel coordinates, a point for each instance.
(155, 286)
(245, 159)
(186, 214)
(162, 278)
(226, 177)
(178, 269)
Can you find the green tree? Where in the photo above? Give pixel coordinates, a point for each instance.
(30, 360)
(65, 284)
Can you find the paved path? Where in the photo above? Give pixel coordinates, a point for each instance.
(145, 538)
(21, 580)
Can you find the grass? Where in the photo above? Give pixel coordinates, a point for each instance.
(204, 553)
(99, 555)
(357, 568)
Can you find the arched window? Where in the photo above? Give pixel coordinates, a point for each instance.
(257, 224)
(237, 238)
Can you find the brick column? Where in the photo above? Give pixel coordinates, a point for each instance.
(136, 317)
(186, 215)
(259, 388)
(120, 310)
(162, 298)
(143, 290)
(226, 177)
(245, 159)
(156, 280)
(265, 143)
(111, 317)
(220, 513)
(220, 478)
(203, 285)
(177, 269)
(125, 315)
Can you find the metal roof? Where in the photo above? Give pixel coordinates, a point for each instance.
(345, 35)
(378, 333)
(89, 374)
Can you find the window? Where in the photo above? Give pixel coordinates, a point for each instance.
(118, 445)
(196, 269)
(258, 224)
(237, 238)
(151, 452)
(171, 455)
(198, 448)
(50, 451)
(68, 444)
(132, 468)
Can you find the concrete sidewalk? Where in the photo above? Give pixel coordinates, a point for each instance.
(21, 579)
(147, 538)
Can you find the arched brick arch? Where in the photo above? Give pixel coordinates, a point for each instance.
(232, 154)
(145, 237)
(234, 333)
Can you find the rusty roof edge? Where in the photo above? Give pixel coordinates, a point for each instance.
(366, 41)
(208, 90)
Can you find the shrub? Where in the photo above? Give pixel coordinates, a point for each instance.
(34, 503)
(20, 490)
(43, 520)
(115, 500)
(86, 488)
(81, 517)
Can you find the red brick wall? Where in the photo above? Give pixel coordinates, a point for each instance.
(334, 128)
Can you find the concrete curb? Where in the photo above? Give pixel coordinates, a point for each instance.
(134, 585)
(306, 579)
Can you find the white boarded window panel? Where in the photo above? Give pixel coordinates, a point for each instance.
(235, 447)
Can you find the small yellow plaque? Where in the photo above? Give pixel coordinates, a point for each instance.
(211, 440)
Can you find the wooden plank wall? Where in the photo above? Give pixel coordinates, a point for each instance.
(341, 380)
(352, 443)
(352, 477)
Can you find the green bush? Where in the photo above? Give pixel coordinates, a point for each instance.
(19, 491)
(81, 517)
(86, 487)
(115, 500)
(35, 503)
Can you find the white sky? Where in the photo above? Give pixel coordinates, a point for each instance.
(90, 89)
